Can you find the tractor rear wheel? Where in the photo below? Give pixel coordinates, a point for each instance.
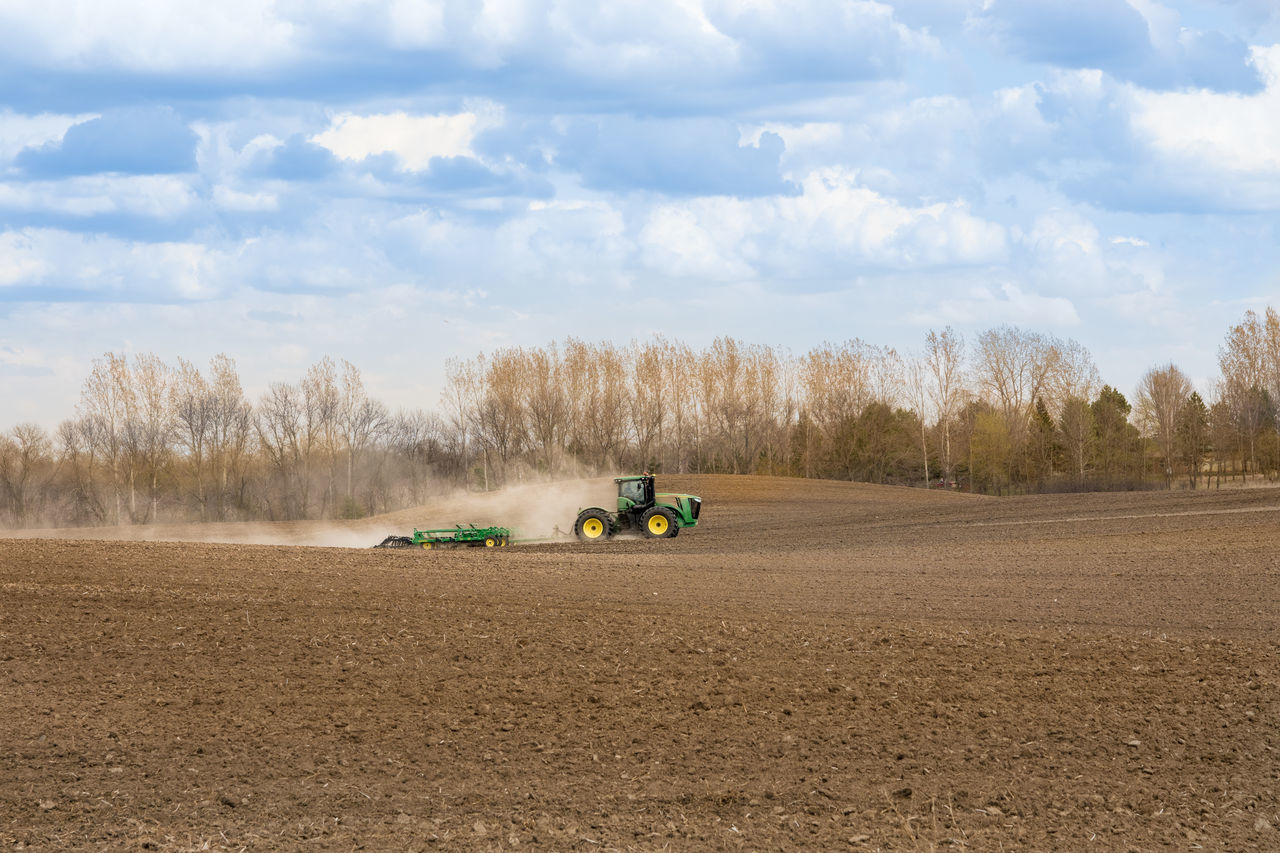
(658, 523)
(592, 526)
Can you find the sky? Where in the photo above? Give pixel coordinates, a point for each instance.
(402, 182)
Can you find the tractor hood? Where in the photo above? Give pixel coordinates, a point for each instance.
(692, 504)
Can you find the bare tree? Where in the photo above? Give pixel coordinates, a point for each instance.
(1162, 394)
(26, 469)
(944, 355)
(546, 406)
(192, 402)
(740, 394)
(321, 406)
(285, 437)
(361, 421)
(1076, 377)
(1015, 368)
(918, 378)
(785, 416)
(838, 385)
(597, 375)
(108, 401)
(231, 432)
(79, 443)
(153, 424)
(1242, 358)
(650, 379)
(500, 420)
(680, 366)
(415, 442)
(838, 382)
(459, 399)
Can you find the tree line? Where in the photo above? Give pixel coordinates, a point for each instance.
(1010, 411)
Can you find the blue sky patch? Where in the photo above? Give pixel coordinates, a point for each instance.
(135, 141)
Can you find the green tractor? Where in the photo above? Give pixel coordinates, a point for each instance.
(655, 516)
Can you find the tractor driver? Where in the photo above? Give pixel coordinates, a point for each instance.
(633, 490)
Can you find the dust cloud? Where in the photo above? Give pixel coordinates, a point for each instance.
(533, 512)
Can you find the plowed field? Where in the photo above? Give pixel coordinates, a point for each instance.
(820, 665)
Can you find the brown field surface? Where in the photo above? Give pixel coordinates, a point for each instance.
(817, 665)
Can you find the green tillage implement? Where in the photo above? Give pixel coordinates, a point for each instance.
(451, 537)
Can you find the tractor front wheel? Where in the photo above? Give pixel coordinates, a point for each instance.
(658, 523)
(592, 526)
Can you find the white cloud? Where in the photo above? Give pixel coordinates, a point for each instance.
(106, 267)
(414, 140)
(19, 260)
(158, 196)
(678, 245)
(292, 355)
(18, 131)
(1064, 237)
(831, 229)
(145, 35)
(984, 306)
(1066, 256)
(628, 42)
(801, 142)
(1219, 132)
(416, 24)
(229, 199)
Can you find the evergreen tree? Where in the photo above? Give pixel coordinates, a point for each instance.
(1192, 435)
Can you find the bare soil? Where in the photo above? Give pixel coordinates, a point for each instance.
(820, 665)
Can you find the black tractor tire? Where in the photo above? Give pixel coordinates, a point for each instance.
(658, 522)
(592, 526)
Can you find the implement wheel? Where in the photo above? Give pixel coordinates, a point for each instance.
(490, 542)
(427, 546)
(592, 526)
(658, 523)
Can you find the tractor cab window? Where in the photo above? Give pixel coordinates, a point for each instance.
(632, 490)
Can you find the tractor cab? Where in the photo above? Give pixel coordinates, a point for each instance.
(635, 493)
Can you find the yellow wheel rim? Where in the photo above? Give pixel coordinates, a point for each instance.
(426, 546)
(592, 528)
(490, 542)
(658, 525)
